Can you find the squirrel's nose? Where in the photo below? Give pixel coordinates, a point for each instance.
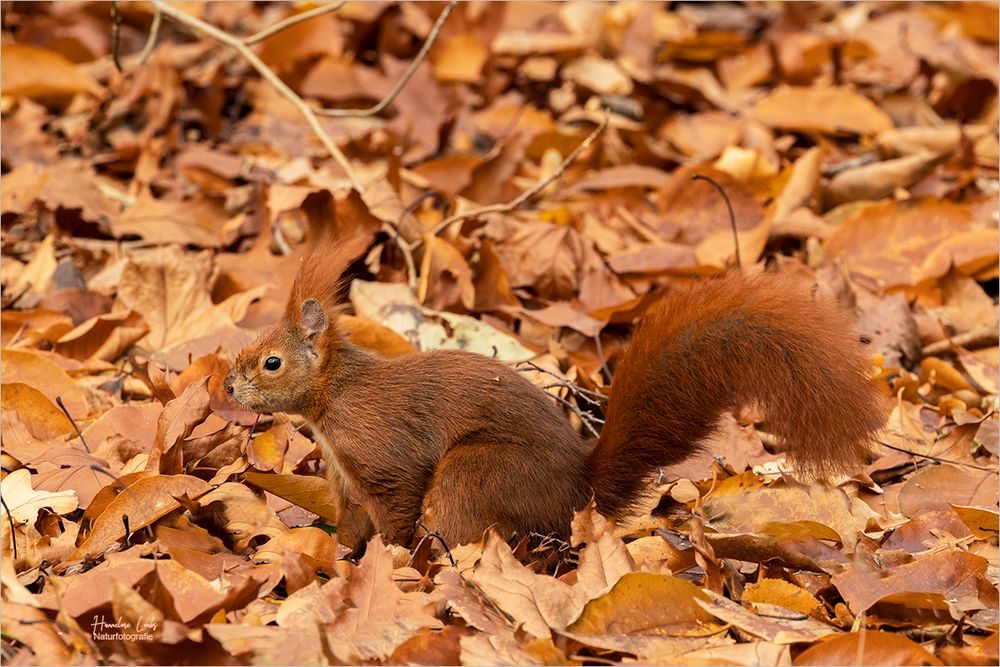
(228, 383)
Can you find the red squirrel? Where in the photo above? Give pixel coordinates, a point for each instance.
(458, 443)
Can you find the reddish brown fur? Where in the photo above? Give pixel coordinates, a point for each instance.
(702, 351)
(463, 443)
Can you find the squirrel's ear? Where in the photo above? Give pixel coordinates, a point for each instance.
(313, 321)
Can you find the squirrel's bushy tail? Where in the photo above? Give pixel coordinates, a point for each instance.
(700, 351)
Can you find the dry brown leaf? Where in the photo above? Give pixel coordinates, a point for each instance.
(538, 602)
(771, 622)
(171, 290)
(143, 502)
(29, 71)
(631, 616)
(461, 58)
(104, 337)
(311, 493)
(381, 617)
(832, 110)
(38, 414)
(881, 179)
(904, 243)
(445, 277)
(942, 486)
(198, 221)
(41, 374)
(734, 508)
(867, 647)
(783, 594)
(31, 627)
(955, 577)
(982, 522)
(177, 421)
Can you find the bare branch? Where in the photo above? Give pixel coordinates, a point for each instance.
(10, 521)
(194, 23)
(524, 196)
(79, 434)
(403, 80)
(292, 20)
(154, 33)
(732, 215)
(116, 35)
(935, 458)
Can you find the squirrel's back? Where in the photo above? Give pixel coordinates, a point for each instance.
(766, 341)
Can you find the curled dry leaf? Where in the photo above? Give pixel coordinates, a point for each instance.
(311, 493)
(881, 179)
(771, 622)
(38, 414)
(142, 502)
(23, 503)
(36, 371)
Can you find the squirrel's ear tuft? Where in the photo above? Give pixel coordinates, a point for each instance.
(313, 321)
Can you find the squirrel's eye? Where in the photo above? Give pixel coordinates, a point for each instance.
(272, 364)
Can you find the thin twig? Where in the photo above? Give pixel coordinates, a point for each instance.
(599, 347)
(116, 35)
(566, 385)
(433, 534)
(292, 20)
(10, 520)
(404, 250)
(524, 196)
(250, 434)
(79, 433)
(935, 458)
(403, 80)
(981, 336)
(268, 74)
(586, 418)
(594, 396)
(732, 215)
(404, 246)
(154, 33)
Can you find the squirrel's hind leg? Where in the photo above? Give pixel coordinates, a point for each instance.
(478, 486)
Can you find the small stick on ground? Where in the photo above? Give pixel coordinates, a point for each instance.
(433, 534)
(594, 396)
(10, 520)
(732, 215)
(154, 33)
(72, 421)
(587, 419)
(525, 196)
(403, 80)
(116, 35)
(935, 458)
(600, 356)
